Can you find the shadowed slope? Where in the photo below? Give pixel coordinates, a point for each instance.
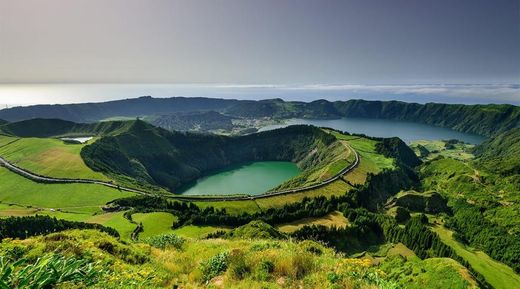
(170, 159)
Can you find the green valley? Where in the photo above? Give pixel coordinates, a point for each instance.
(364, 212)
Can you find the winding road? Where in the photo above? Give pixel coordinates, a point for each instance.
(46, 179)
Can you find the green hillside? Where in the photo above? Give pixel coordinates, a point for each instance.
(48, 157)
(501, 153)
(58, 128)
(170, 159)
(217, 263)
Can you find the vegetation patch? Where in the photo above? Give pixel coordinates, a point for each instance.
(334, 219)
(497, 274)
(48, 157)
(165, 241)
(155, 223)
(15, 189)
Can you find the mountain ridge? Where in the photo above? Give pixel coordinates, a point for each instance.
(486, 120)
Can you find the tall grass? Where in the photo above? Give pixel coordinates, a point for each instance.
(46, 272)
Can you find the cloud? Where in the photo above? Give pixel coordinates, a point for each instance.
(507, 92)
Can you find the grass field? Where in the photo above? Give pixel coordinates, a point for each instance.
(232, 207)
(335, 188)
(16, 210)
(48, 157)
(367, 148)
(197, 232)
(115, 220)
(82, 198)
(437, 148)
(333, 219)
(155, 223)
(497, 274)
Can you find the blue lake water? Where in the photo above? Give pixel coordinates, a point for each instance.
(407, 131)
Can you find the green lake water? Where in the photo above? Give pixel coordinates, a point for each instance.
(251, 178)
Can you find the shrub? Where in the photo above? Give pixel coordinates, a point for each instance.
(237, 264)
(264, 246)
(166, 241)
(302, 264)
(214, 266)
(312, 247)
(263, 270)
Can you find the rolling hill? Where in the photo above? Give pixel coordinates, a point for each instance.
(57, 128)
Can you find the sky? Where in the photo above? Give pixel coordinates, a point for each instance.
(406, 49)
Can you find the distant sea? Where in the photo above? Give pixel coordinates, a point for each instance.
(29, 94)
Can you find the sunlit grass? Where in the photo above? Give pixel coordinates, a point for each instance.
(48, 157)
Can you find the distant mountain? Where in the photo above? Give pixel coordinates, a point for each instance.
(480, 119)
(485, 120)
(57, 127)
(91, 112)
(3, 121)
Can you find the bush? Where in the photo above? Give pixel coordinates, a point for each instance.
(263, 270)
(237, 264)
(402, 214)
(214, 266)
(312, 247)
(166, 241)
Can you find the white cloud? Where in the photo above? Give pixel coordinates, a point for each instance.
(507, 92)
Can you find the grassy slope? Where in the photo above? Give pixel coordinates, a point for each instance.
(155, 223)
(37, 127)
(497, 274)
(81, 198)
(465, 179)
(455, 179)
(333, 219)
(48, 157)
(117, 221)
(366, 148)
(501, 154)
(431, 273)
(337, 158)
(460, 151)
(232, 207)
(250, 263)
(197, 232)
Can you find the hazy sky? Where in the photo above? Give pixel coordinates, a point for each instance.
(260, 42)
